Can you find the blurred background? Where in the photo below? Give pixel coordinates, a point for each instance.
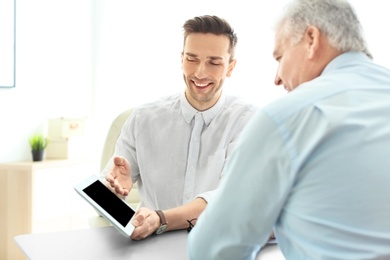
(93, 59)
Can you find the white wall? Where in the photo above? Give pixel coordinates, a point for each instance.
(96, 58)
(53, 71)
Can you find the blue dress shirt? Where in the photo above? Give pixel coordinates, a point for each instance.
(316, 166)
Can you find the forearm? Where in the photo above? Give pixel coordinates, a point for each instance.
(177, 217)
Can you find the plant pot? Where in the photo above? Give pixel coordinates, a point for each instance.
(37, 155)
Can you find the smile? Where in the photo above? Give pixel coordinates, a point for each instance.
(201, 85)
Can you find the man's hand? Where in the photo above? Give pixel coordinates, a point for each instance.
(119, 177)
(146, 222)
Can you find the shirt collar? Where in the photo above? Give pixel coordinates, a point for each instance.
(189, 111)
(343, 59)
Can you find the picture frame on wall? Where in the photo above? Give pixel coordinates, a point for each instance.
(7, 43)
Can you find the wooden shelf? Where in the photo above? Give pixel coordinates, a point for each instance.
(32, 193)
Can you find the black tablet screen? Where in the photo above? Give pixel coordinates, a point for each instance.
(117, 208)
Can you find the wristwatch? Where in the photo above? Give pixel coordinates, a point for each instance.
(164, 223)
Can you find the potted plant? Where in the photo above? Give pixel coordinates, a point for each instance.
(38, 144)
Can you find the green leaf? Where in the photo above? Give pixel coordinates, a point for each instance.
(38, 142)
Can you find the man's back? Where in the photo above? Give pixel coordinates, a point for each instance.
(314, 165)
(339, 143)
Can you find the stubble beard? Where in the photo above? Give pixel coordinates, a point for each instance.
(202, 98)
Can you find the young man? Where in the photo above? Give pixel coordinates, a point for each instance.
(175, 148)
(316, 162)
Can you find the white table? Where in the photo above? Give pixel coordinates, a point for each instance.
(108, 243)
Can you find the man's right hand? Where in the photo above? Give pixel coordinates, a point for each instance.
(146, 222)
(119, 176)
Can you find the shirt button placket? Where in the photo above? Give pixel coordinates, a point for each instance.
(192, 160)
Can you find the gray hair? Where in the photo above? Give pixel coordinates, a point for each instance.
(336, 18)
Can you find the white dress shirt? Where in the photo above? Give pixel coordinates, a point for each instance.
(171, 160)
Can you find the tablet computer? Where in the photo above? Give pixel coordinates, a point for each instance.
(109, 205)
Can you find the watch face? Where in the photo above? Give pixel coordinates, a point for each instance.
(161, 229)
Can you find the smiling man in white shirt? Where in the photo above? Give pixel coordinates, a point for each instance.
(175, 148)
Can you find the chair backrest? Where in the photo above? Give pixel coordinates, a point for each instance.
(112, 136)
(108, 150)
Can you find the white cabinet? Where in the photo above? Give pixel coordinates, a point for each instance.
(39, 197)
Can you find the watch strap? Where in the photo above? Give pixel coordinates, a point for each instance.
(163, 221)
(162, 217)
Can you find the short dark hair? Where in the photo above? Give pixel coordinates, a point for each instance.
(211, 24)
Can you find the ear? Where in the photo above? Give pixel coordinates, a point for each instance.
(313, 40)
(232, 64)
(181, 59)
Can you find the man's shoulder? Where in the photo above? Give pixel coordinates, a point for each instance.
(160, 104)
(237, 102)
(236, 109)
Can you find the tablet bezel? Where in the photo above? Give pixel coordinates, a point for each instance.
(125, 230)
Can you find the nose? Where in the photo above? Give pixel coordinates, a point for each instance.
(200, 72)
(278, 81)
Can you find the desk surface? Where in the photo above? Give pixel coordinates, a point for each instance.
(108, 243)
